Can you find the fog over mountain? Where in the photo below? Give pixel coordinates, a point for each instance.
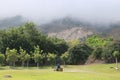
(12, 22)
(61, 17)
(70, 28)
(43, 11)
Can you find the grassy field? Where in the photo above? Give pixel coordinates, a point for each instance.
(71, 72)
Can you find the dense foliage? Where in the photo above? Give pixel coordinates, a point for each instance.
(79, 54)
(26, 44)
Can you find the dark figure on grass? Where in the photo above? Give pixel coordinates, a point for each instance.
(58, 68)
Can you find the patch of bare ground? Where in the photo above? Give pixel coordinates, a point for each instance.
(7, 76)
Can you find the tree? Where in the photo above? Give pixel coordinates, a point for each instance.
(116, 54)
(22, 56)
(59, 46)
(108, 50)
(79, 54)
(37, 55)
(27, 58)
(38, 59)
(2, 58)
(51, 58)
(96, 41)
(65, 57)
(12, 56)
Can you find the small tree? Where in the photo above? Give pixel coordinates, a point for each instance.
(12, 57)
(22, 56)
(116, 54)
(37, 59)
(64, 57)
(37, 55)
(51, 58)
(27, 58)
(2, 58)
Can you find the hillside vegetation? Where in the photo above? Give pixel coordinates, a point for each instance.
(26, 44)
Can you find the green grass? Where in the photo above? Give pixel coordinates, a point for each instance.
(71, 72)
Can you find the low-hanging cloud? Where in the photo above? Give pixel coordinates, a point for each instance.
(91, 10)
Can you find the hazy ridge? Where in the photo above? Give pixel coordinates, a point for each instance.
(67, 28)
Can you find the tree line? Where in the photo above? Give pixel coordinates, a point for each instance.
(27, 45)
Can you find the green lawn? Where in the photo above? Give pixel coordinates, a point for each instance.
(79, 72)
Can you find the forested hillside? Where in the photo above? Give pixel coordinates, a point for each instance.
(26, 44)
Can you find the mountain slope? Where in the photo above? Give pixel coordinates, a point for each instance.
(72, 33)
(11, 22)
(59, 25)
(70, 28)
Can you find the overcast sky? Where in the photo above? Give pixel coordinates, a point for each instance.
(92, 10)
